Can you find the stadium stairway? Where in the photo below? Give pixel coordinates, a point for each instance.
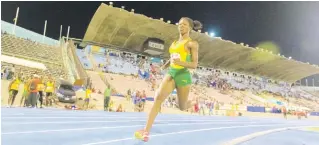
(220, 97)
(246, 97)
(97, 82)
(122, 83)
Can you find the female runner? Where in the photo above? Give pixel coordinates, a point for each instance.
(183, 56)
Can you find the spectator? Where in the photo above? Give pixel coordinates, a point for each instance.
(88, 93)
(13, 90)
(143, 95)
(129, 93)
(119, 108)
(107, 97)
(32, 88)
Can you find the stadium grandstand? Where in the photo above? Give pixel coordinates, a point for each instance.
(230, 73)
(125, 50)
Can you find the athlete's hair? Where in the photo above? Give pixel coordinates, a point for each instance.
(194, 24)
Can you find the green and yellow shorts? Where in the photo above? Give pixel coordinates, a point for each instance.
(182, 77)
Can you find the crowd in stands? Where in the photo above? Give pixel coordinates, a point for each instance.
(143, 68)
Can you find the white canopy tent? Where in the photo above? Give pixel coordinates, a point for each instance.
(23, 62)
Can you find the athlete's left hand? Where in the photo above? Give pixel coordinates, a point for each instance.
(176, 61)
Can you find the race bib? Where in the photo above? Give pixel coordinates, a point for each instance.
(175, 56)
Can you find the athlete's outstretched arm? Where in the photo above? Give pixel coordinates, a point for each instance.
(165, 65)
(193, 46)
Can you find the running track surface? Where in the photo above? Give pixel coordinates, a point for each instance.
(66, 127)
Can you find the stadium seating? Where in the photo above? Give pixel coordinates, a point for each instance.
(20, 47)
(56, 72)
(50, 56)
(121, 71)
(83, 58)
(246, 92)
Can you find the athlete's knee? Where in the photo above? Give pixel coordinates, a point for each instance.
(159, 97)
(184, 106)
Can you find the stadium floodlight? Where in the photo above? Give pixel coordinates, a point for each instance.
(60, 32)
(15, 21)
(168, 21)
(67, 34)
(44, 30)
(212, 34)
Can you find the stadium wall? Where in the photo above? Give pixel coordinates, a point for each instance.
(27, 34)
(77, 64)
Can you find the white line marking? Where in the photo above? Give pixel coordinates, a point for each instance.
(96, 117)
(59, 114)
(158, 121)
(75, 122)
(19, 114)
(257, 134)
(182, 132)
(53, 117)
(128, 126)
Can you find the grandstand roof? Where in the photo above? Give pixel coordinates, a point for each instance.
(119, 27)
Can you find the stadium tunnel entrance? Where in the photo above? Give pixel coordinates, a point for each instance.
(153, 46)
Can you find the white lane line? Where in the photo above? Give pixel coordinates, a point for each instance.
(57, 117)
(127, 126)
(183, 132)
(97, 117)
(14, 114)
(257, 134)
(59, 114)
(109, 121)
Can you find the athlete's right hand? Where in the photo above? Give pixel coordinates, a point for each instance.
(162, 68)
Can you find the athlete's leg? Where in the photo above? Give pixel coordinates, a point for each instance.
(23, 98)
(183, 80)
(182, 94)
(167, 86)
(47, 99)
(10, 97)
(41, 98)
(14, 94)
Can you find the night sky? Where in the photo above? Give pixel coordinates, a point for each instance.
(294, 26)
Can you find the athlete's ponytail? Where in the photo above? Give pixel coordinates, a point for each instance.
(197, 25)
(194, 24)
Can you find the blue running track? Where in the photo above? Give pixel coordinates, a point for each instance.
(25, 126)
